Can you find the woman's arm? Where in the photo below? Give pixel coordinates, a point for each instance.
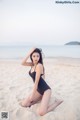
(24, 62)
(37, 78)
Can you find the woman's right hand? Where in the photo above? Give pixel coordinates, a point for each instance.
(31, 50)
(24, 62)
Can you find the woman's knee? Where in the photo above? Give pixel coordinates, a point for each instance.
(41, 112)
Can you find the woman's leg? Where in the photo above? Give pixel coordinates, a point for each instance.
(45, 107)
(44, 102)
(27, 103)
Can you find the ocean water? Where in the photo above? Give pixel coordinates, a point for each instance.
(16, 52)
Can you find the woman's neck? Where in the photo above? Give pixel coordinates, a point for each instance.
(35, 64)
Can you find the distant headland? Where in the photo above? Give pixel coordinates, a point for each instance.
(73, 43)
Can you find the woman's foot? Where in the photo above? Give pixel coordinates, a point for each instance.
(27, 105)
(24, 104)
(54, 105)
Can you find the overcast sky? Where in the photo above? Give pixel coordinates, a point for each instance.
(38, 22)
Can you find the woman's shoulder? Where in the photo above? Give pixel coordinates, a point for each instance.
(39, 66)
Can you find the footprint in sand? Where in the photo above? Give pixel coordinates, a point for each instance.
(23, 113)
(2, 105)
(1, 95)
(14, 88)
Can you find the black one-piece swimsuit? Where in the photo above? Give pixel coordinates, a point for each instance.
(42, 85)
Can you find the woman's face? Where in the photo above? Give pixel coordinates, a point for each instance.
(35, 57)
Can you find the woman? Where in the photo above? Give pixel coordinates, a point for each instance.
(41, 90)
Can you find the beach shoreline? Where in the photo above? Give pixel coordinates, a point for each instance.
(62, 74)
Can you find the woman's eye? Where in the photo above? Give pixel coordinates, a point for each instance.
(35, 56)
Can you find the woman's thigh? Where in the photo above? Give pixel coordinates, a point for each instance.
(45, 101)
(37, 96)
(27, 102)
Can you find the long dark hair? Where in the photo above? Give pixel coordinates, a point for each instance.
(40, 53)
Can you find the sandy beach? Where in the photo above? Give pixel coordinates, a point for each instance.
(63, 76)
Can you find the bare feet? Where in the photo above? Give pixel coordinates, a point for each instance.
(57, 103)
(25, 103)
(54, 105)
(28, 105)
